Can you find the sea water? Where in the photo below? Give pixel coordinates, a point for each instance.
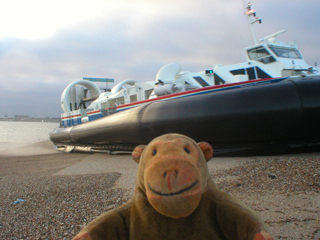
(16, 134)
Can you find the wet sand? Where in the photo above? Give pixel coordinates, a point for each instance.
(61, 192)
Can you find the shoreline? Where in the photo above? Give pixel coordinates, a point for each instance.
(62, 192)
(44, 119)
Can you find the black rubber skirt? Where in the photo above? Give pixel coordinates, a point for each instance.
(280, 114)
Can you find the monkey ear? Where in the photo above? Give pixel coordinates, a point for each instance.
(206, 149)
(136, 154)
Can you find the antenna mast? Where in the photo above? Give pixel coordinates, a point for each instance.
(252, 18)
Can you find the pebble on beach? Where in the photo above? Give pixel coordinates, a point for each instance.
(283, 190)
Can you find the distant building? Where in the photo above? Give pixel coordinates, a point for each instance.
(30, 119)
(22, 117)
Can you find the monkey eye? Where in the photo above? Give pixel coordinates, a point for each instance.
(154, 152)
(186, 150)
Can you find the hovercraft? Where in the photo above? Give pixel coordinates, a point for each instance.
(270, 102)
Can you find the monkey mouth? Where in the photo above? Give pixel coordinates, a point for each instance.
(174, 193)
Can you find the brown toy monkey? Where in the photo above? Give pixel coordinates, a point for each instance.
(175, 198)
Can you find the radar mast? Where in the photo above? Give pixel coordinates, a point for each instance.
(252, 19)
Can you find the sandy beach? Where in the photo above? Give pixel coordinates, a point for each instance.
(47, 194)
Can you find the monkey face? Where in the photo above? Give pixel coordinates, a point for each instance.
(173, 167)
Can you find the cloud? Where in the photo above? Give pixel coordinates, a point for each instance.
(125, 39)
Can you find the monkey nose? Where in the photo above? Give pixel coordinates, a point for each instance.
(171, 178)
(171, 173)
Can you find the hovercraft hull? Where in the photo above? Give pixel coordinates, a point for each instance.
(257, 118)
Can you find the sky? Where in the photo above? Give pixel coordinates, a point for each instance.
(45, 45)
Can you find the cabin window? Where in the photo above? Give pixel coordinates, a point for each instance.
(147, 93)
(201, 81)
(111, 103)
(133, 98)
(260, 54)
(262, 74)
(104, 105)
(284, 52)
(245, 71)
(120, 100)
(238, 72)
(218, 80)
(251, 73)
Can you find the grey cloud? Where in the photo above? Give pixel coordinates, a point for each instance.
(196, 35)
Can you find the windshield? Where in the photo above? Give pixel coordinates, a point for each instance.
(285, 52)
(260, 54)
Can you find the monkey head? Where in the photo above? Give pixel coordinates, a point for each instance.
(173, 173)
